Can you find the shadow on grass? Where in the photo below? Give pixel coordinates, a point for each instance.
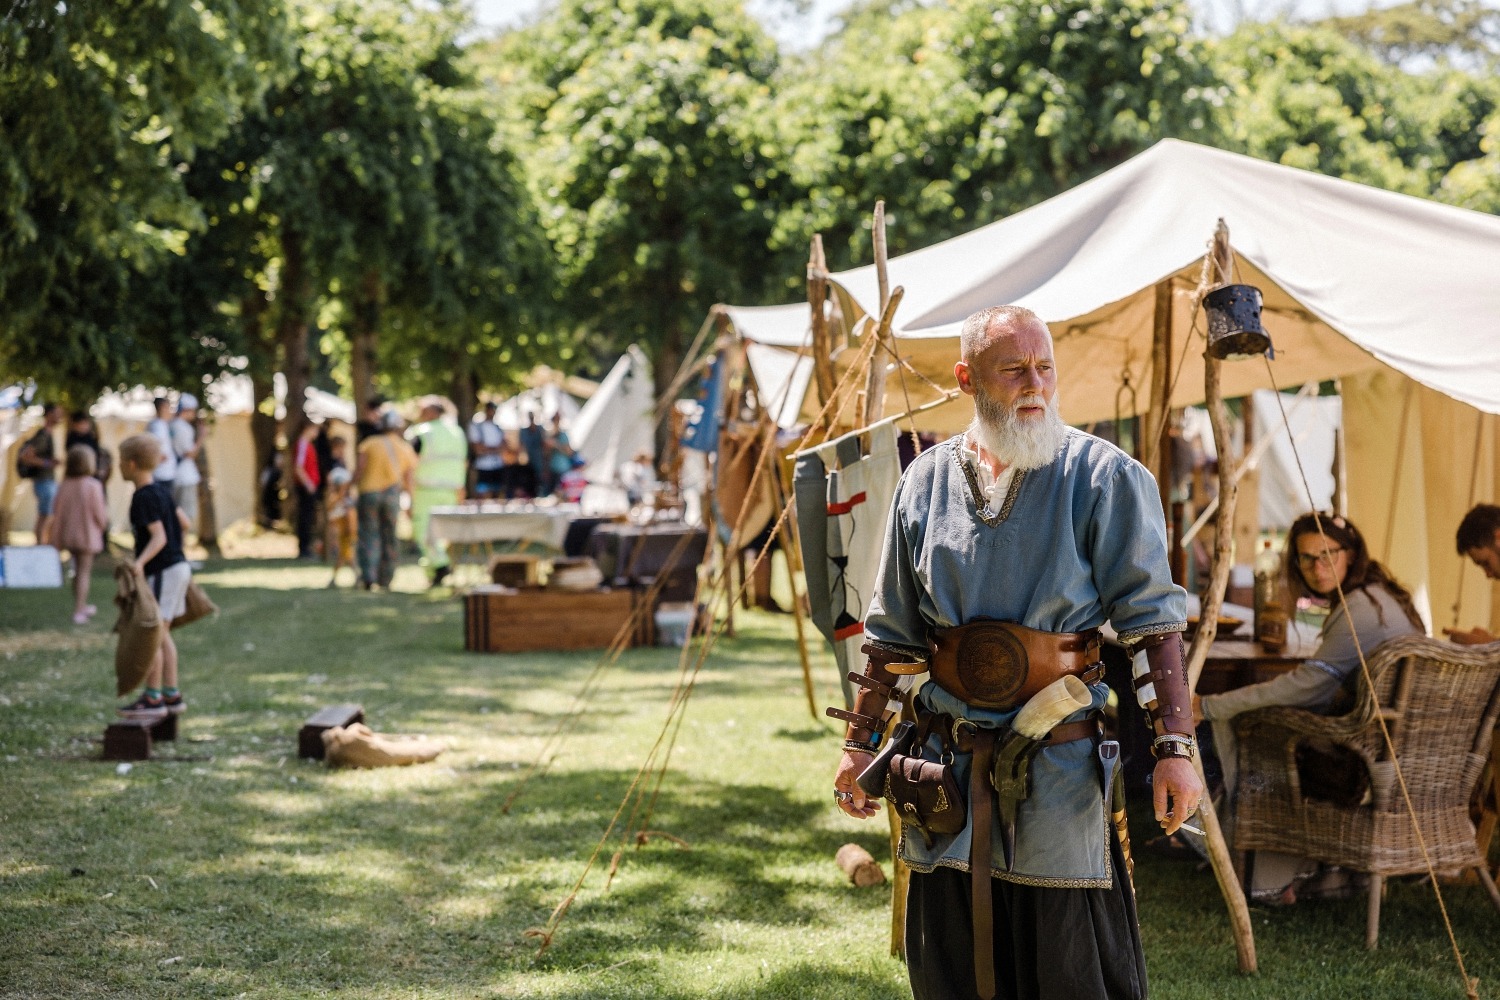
(385, 881)
(250, 872)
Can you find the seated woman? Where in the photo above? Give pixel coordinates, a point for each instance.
(1374, 608)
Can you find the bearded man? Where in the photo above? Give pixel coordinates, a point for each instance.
(1007, 548)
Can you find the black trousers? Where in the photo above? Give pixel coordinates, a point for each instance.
(1050, 944)
(307, 520)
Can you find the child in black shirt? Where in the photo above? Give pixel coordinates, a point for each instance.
(158, 526)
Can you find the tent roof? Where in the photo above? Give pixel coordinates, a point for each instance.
(1354, 278)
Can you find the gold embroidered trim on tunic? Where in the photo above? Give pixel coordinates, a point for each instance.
(981, 508)
(1131, 635)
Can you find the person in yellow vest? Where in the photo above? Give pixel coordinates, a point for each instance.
(442, 453)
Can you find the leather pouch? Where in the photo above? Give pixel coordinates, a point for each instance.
(925, 794)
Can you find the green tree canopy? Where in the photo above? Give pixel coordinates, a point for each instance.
(961, 114)
(646, 144)
(1307, 97)
(103, 107)
(1466, 31)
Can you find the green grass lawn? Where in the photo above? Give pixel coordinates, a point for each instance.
(227, 867)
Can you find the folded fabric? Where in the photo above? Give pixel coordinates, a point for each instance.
(357, 746)
(139, 627)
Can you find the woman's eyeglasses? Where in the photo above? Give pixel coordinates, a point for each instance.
(1307, 560)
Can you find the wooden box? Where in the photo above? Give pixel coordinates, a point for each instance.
(515, 569)
(310, 736)
(131, 739)
(530, 620)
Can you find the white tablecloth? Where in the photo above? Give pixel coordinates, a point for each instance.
(488, 523)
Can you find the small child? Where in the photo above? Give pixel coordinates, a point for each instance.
(158, 525)
(81, 518)
(343, 520)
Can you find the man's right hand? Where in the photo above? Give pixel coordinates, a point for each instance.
(851, 766)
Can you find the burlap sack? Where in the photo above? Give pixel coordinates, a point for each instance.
(139, 627)
(357, 746)
(196, 605)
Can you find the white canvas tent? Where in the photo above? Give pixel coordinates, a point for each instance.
(616, 423)
(1397, 297)
(614, 426)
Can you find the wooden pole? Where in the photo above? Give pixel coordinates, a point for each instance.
(792, 546)
(879, 361)
(1208, 625)
(885, 342)
(900, 882)
(817, 298)
(1247, 494)
(1158, 454)
(1340, 470)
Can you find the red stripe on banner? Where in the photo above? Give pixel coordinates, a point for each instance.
(849, 631)
(846, 506)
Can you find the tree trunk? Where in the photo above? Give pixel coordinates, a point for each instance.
(669, 352)
(262, 403)
(291, 337)
(463, 386)
(263, 433)
(208, 516)
(364, 335)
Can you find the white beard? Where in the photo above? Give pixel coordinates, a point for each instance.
(1021, 445)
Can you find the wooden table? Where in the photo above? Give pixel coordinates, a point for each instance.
(1232, 662)
(1238, 661)
(473, 530)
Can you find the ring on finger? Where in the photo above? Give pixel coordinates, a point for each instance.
(841, 796)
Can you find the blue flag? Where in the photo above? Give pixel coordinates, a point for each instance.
(702, 434)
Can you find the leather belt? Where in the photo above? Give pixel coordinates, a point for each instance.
(963, 738)
(1000, 665)
(960, 738)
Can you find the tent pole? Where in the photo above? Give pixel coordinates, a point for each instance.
(1208, 627)
(817, 298)
(1340, 463)
(1158, 438)
(792, 547)
(1246, 532)
(875, 377)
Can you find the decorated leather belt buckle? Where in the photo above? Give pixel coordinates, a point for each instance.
(991, 664)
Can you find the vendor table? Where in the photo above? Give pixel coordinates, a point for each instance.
(473, 530)
(1237, 661)
(632, 554)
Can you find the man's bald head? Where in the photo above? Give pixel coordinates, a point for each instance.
(988, 325)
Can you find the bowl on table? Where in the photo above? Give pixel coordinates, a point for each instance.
(1228, 625)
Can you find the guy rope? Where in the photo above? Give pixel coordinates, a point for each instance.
(687, 678)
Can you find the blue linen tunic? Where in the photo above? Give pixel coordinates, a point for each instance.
(1077, 542)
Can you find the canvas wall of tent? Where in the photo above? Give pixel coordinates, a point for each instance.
(1393, 296)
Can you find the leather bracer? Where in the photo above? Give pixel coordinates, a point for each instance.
(1162, 690)
(878, 698)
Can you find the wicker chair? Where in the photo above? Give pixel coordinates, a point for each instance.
(1441, 702)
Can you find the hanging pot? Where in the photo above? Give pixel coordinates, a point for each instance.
(1234, 330)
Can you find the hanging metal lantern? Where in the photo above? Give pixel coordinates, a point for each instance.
(1234, 330)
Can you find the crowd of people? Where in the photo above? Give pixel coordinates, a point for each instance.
(534, 461)
(348, 514)
(73, 514)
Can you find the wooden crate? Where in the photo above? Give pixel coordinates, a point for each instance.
(310, 736)
(515, 569)
(545, 619)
